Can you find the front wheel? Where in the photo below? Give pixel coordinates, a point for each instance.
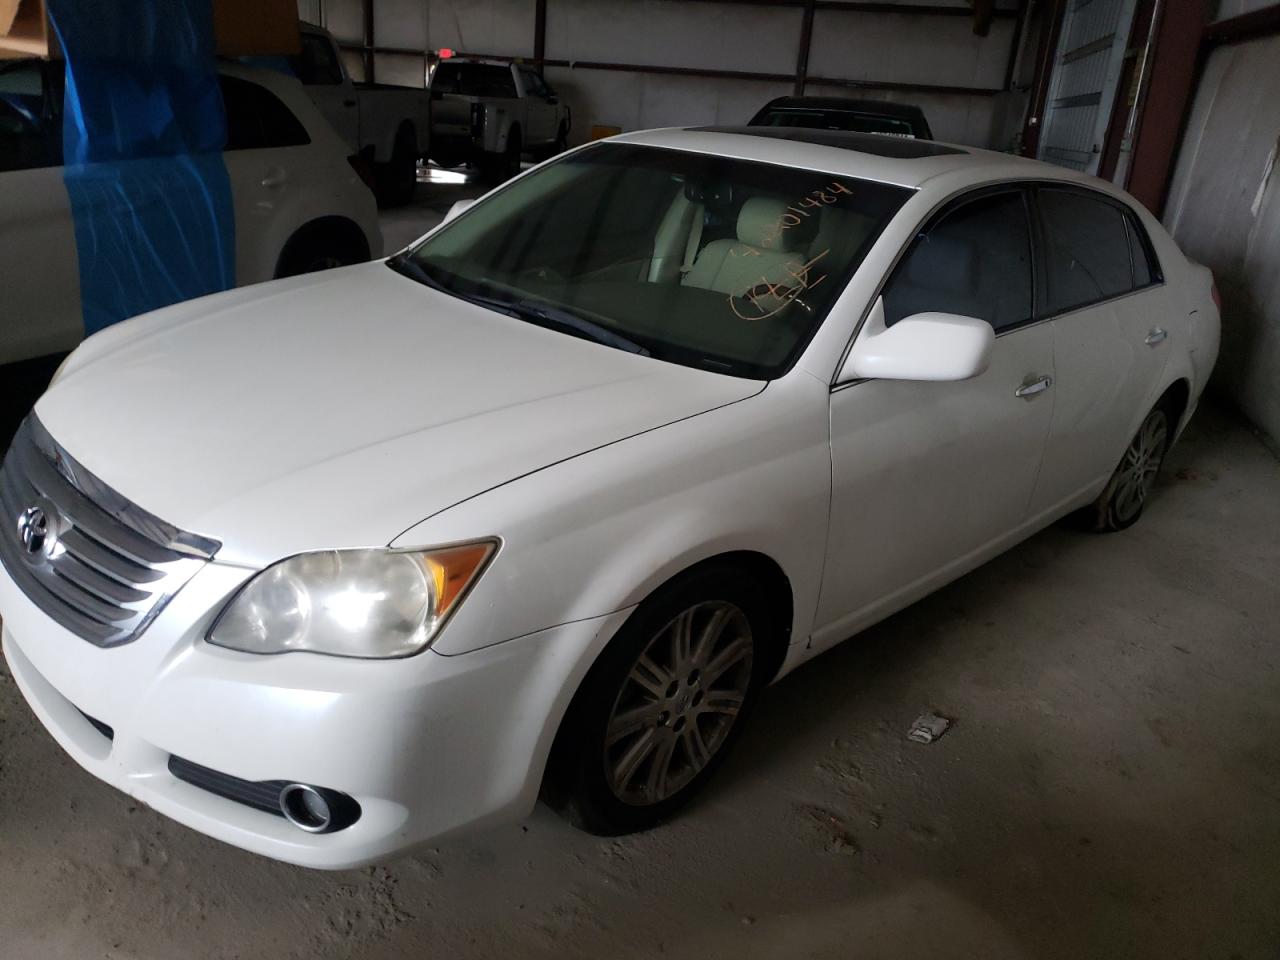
(660, 710)
(321, 246)
(1121, 503)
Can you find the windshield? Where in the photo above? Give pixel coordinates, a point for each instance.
(723, 264)
(838, 120)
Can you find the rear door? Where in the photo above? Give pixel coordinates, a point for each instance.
(39, 265)
(930, 478)
(1102, 291)
(272, 171)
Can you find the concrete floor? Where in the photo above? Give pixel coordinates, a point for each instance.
(1111, 788)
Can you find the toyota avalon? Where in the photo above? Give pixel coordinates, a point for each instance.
(338, 565)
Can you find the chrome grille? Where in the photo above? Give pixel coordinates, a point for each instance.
(93, 561)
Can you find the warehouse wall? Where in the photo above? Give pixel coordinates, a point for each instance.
(876, 47)
(1234, 8)
(1224, 210)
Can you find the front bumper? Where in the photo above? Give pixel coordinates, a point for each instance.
(429, 745)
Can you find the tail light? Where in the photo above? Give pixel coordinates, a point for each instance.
(1217, 297)
(363, 168)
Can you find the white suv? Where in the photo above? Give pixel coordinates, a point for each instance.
(299, 204)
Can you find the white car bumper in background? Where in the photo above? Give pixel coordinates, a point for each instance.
(426, 746)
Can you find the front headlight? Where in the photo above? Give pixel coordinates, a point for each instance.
(351, 603)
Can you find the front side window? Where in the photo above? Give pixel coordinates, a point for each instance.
(533, 84)
(30, 117)
(1086, 250)
(974, 261)
(473, 79)
(256, 119)
(727, 265)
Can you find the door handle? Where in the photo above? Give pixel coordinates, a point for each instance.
(1029, 390)
(348, 103)
(1157, 335)
(275, 178)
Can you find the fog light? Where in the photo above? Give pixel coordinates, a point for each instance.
(306, 808)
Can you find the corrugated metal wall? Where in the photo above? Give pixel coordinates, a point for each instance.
(1224, 210)
(756, 38)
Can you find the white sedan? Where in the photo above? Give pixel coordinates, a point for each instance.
(347, 563)
(298, 204)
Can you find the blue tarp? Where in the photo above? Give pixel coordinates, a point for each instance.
(143, 132)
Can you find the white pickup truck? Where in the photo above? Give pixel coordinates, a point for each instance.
(491, 112)
(390, 126)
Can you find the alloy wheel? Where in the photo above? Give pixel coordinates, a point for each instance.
(678, 703)
(1136, 475)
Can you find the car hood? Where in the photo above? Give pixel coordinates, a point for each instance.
(340, 409)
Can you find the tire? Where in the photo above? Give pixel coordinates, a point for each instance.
(322, 245)
(398, 178)
(1121, 503)
(641, 738)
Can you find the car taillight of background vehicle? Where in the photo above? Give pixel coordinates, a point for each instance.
(1217, 297)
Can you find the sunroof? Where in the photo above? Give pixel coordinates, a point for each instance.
(897, 148)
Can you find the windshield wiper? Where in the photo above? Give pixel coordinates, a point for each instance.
(567, 321)
(543, 315)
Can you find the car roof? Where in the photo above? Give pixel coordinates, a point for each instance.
(885, 108)
(896, 160)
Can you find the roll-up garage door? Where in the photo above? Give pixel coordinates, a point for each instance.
(1087, 67)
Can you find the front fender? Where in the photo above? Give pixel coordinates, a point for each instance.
(598, 533)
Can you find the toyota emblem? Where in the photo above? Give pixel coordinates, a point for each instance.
(38, 530)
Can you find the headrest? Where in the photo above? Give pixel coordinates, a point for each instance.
(761, 224)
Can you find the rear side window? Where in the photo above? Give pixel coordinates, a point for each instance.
(473, 79)
(974, 261)
(1086, 250)
(318, 63)
(256, 119)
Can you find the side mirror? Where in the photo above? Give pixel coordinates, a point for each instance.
(456, 209)
(924, 346)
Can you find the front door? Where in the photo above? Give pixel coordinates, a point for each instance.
(541, 114)
(928, 479)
